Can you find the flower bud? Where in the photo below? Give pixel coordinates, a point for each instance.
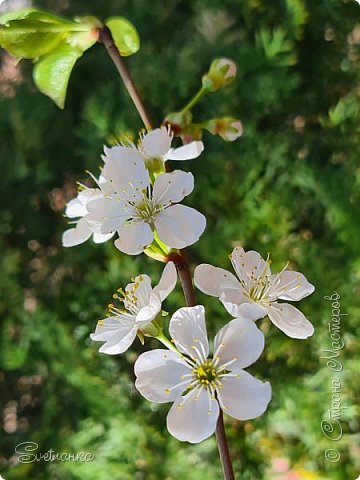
(178, 121)
(228, 128)
(222, 72)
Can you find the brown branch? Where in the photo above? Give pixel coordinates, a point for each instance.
(224, 449)
(107, 40)
(182, 267)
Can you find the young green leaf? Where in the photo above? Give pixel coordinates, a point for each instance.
(125, 35)
(33, 14)
(33, 33)
(51, 73)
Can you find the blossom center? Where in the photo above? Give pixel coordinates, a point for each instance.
(143, 208)
(206, 373)
(146, 209)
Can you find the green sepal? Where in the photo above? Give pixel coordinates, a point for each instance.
(125, 35)
(141, 337)
(151, 329)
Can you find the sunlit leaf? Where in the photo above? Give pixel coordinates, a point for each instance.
(51, 74)
(32, 33)
(125, 35)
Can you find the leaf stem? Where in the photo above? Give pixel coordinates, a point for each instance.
(107, 40)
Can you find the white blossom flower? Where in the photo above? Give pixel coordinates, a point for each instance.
(135, 208)
(142, 304)
(78, 207)
(255, 292)
(157, 144)
(199, 385)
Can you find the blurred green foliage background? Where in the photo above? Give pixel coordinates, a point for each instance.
(289, 186)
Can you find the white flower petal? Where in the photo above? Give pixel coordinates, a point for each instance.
(134, 238)
(290, 320)
(172, 187)
(157, 142)
(193, 418)
(107, 212)
(186, 152)
(75, 209)
(149, 312)
(119, 152)
(188, 330)
(179, 226)
(77, 235)
(106, 329)
(141, 288)
(101, 238)
(239, 305)
(167, 281)
(239, 342)
(243, 397)
(247, 264)
(290, 285)
(125, 169)
(117, 332)
(158, 372)
(119, 344)
(213, 280)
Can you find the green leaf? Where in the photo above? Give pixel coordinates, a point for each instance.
(33, 33)
(51, 73)
(33, 14)
(125, 35)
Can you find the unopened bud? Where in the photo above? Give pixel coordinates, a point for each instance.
(178, 121)
(222, 72)
(228, 128)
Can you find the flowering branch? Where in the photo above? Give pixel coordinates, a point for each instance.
(179, 259)
(138, 197)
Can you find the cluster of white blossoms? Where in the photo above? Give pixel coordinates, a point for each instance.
(131, 203)
(139, 201)
(200, 385)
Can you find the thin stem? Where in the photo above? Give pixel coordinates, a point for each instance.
(179, 258)
(224, 449)
(165, 341)
(195, 99)
(107, 40)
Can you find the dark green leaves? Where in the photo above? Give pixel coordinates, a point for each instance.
(55, 44)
